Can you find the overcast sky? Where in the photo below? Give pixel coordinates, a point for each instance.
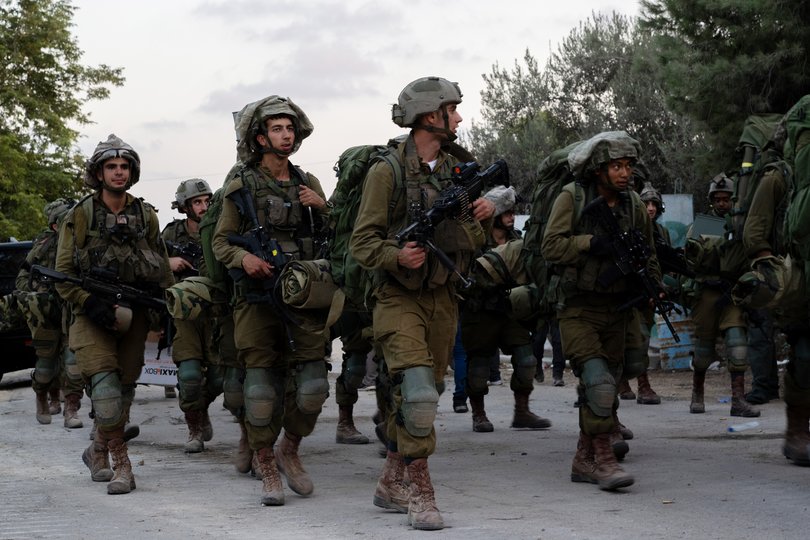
(189, 64)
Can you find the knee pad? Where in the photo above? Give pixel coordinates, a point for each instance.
(311, 386)
(189, 380)
(44, 370)
(419, 400)
(736, 342)
(477, 375)
(525, 366)
(263, 397)
(600, 387)
(633, 363)
(107, 398)
(214, 380)
(71, 365)
(704, 355)
(233, 397)
(354, 371)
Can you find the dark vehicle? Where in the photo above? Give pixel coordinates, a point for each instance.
(18, 353)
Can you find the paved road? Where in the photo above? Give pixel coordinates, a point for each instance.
(693, 478)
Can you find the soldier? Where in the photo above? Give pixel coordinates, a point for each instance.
(592, 329)
(285, 381)
(199, 375)
(115, 231)
(646, 395)
(714, 260)
(45, 317)
(415, 313)
(487, 326)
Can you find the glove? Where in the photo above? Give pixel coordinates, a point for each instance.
(600, 246)
(99, 311)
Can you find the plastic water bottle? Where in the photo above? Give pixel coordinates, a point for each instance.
(742, 427)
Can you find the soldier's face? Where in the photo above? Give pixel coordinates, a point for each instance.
(280, 134)
(652, 210)
(721, 202)
(114, 174)
(197, 207)
(618, 173)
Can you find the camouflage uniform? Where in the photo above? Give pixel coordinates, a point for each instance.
(56, 365)
(199, 373)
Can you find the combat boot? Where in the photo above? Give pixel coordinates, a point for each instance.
(422, 512)
(608, 473)
(97, 460)
(130, 430)
(205, 426)
(697, 406)
(346, 431)
(195, 438)
(740, 407)
(646, 395)
(625, 392)
(272, 490)
(244, 455)
(584, 465)
(72, 404)
(43, 411)
(523, 417)
(480, 422)
(797, 437)
(54, 404)
(391, 492)
(618, 444)
(289, 464)
(123, 481)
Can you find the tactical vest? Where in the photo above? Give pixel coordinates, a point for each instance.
(42, 253)
(177, 232)
(280, 211)
(459, 238)
(117, 242)
(582, 278)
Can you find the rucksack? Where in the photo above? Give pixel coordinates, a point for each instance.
(797, 152)
(214, 269)
(351, 169)
(553, 174)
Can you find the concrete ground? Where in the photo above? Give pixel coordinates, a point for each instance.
(694, 479)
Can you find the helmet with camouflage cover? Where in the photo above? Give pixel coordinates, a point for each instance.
(56, 209)
(650, 194)
(423, 96)
(591, 155)
(250, 122)
(721, 183)
(113, 147)
(503, 197)
(188, 189)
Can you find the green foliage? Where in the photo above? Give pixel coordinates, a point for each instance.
(598, 79)
(43, 87)
(721, 60)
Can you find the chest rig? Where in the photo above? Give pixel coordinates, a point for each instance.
(280, 211)
(117, 242)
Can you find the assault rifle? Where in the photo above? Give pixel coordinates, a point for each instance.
(191, 251)
(258, 242)
(672, 260)
(105, 284)
(630, 252)
(454, 201)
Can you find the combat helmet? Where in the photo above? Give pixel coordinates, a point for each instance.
(423, 96)
(113, 147)
(591, 155)
(503, 197)
(649, 193)
(189, 189)
(721, 183)
(250, 122)
(56, 209)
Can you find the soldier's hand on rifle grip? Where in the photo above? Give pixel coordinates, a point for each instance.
(179, 264)
(411, 255)
(100, 311)
(600, 246)
(309, 197)
(256, 268)
(483, 209)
